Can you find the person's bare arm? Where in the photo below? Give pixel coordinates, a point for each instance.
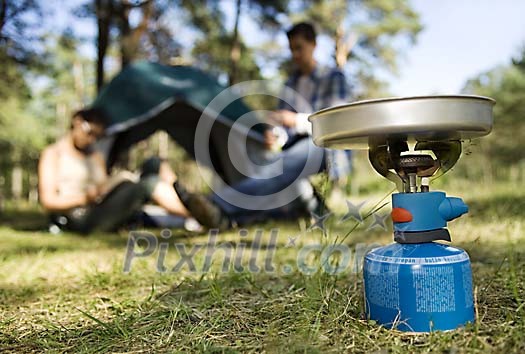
(47, 185)
(99, 169)
(107, 183)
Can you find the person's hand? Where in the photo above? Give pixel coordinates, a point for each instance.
(284, 117)
(92, 193)
(269, 139)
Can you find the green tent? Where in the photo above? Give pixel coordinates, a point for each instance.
(146, 97)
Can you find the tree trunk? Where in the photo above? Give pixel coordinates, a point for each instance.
(343, 45)
(78, 76)
(32, 195)
(3, 14)
(104, 11)
(235, 52)
(130, 37)
(17, 180)
(341, 48)
(2, 191)
(125, 30)
(62, 120)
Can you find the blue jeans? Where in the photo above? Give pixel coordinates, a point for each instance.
(299, 161)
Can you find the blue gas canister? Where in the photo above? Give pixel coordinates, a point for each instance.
(417, 284)
(419, 287)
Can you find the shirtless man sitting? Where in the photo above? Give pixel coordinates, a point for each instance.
(75, 189)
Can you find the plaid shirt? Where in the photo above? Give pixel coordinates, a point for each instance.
(328, 87)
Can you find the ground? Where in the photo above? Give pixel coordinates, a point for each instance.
(68, 293)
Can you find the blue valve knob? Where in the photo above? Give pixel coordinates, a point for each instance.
(452, 207)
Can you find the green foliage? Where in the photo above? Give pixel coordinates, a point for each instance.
(69, 83)
(19, 128)
(212, 54)
(19, 34)
(28, 116)
(214, 50)
(21, 133)
(370, 35)
(136, 29)
(12, 73)
(35, 107)
(506, 85)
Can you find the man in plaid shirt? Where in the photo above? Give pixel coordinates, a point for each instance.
(309, 89)
(312, 88)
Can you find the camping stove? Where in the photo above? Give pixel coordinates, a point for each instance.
(415, 284)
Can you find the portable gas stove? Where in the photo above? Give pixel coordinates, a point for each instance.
(414, 284)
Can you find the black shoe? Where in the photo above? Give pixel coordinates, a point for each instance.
(207, 213)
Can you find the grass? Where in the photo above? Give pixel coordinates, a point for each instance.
(69, 293)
